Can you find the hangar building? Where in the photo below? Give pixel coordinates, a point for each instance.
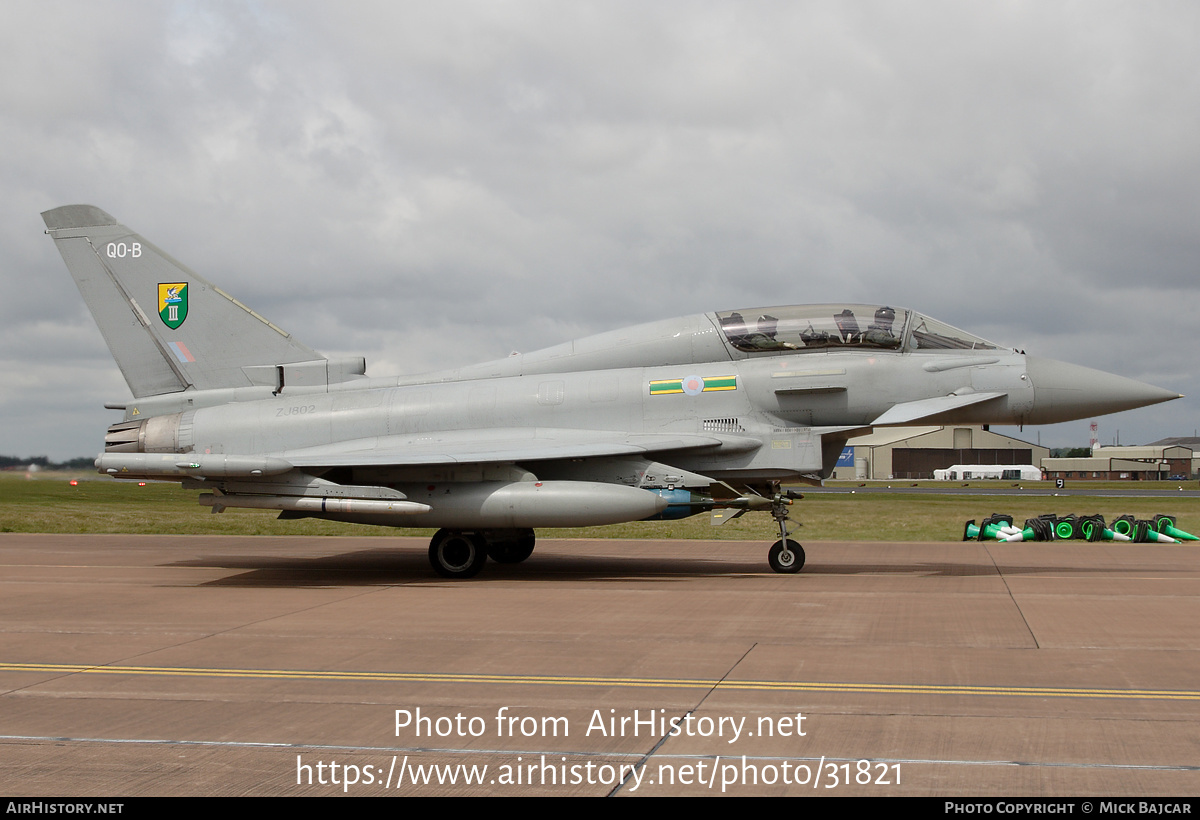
(1151, 462)
(915, 452)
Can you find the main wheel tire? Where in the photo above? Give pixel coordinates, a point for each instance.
(456, 554)
(513, 548)
(786, 557)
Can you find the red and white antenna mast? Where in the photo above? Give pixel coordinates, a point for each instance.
(1095, 435)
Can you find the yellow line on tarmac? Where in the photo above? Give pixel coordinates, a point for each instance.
(555, 680)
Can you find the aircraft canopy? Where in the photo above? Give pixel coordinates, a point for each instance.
(839, 327)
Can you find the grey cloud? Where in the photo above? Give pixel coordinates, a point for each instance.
(373, 176)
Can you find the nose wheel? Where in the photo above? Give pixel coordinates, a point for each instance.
(785, 555)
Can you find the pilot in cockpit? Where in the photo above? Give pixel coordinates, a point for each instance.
(763, 337)
(880, 331)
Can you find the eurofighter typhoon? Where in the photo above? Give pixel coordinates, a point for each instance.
(708, 413)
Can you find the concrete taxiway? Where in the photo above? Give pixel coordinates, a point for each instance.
(175, 665)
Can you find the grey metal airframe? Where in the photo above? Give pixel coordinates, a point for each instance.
(708, 413)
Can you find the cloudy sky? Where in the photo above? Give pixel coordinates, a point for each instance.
(435, 184)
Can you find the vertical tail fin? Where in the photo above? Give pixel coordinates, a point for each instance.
(168, 328)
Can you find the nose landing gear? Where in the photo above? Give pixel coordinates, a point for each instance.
(785, 555)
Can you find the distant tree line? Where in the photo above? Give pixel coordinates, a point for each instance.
(11, 462)
(1071, 452)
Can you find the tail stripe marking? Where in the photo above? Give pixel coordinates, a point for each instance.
(181, 352)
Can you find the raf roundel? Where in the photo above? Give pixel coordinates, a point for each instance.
(693, 385)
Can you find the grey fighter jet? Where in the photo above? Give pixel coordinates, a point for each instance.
(708, 413)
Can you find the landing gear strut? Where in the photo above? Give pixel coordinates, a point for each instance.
(785, 555)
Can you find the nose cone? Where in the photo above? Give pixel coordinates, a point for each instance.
(1065, 392)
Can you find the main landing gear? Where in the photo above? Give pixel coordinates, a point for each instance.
(462, 554)
(509, 546)
(785, 555)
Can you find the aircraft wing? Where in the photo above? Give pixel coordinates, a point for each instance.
(910, 411)
(495, 445)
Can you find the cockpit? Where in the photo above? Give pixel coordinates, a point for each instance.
(805, 328)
